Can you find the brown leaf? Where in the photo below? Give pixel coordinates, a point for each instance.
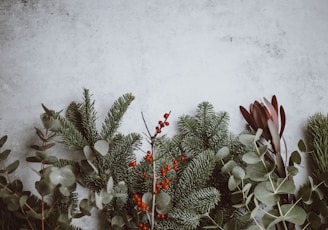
(283, 120)
(249, 119)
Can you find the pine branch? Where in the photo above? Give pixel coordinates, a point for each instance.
(189, 219)
(121, 154)
(88, 115)
(318, 131)
(202, 200)
(115, 115)
(71, 136)
(196, 175)
(74, 116)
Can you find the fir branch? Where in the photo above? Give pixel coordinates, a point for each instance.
(121, 154)
(73, 115)
(115, 115)
(202, 200)
(318, 132)
(71, 137)
(189, 219)
(204, 116)
(196, 175)
(88, 115)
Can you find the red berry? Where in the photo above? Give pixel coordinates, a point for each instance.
(161, 123)
(167, 123)
(168, 167)
(133, 164)
(175, 162)
(145, 175)
(175, 167)
(165, 186)
(182, 158)
(148, 152)
(166, 115)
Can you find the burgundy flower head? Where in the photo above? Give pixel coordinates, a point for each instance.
(267, 117)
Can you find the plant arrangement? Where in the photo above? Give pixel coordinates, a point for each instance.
(20, 209)
(204, 177)
(264, 185)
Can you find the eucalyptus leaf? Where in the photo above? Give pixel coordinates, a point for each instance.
(264, 195)
(233, 182)
(12, 167)
(238, 172)
(44, 188)
(258, 172)
(254, 227)
(3, 140)
(251, 158)
(102, 147)
(314, 220)
(147, 198)
(110, 184)
(295, 157)
(63, 176)
(292, 170)
(117, 221)
(85, 207)
(16, 185)
(98, 200)
(88, 153)
(163, 200)
(22, 201)
(293, 214)
(247, 139)
(33, 159)
(301, 145)
(4, 154)
(3, 181)
(222, 153)
(227, 167)
(285, 187)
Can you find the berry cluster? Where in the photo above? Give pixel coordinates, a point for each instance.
(141, 206)
(143, 226)
(162, 124)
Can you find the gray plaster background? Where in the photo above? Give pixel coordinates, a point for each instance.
(170, 54)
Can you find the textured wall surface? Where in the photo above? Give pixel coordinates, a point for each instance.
(170, 54)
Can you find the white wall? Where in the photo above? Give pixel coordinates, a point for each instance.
(170, 54)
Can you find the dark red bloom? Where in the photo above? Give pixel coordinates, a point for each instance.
(267, 117)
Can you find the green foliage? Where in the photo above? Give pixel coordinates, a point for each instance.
(201, 136)
(316, 190)
(19, 209)
(266, 187)
(107, 153)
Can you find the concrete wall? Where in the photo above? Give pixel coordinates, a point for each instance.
(170, 54)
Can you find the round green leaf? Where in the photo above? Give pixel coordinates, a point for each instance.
(238, 172)
(247, 139)
(293, 214)
(251, 158)
(233, 183)
(267, 197)
(102, 147)
(117, 221)
(301, 145)
(296, 157)
(227, 167)
(222, 153)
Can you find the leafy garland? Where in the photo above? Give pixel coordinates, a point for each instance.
(204, 177)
